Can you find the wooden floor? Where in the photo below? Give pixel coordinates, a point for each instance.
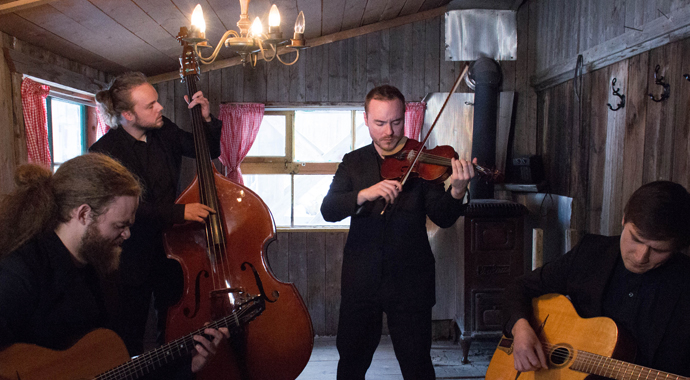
(445, 355)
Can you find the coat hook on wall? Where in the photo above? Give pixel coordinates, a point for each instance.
(687, 76)
(660, 81)
(616, 92)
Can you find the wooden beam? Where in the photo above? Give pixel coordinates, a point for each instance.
(18, 5)
(25, 64)
(339, 36)
(658, 32)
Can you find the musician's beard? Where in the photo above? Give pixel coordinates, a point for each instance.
(102, 253)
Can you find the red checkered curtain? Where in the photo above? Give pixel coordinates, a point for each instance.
(102, 128)
(414, 119)
(241, 123)
(36, 122)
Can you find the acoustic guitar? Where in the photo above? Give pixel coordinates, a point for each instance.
(575, 348)
(102, 355)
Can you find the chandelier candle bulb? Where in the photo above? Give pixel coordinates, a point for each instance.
(298, 39)
(274, 23)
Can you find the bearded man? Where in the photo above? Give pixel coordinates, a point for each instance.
(150, 146)
(60, 234)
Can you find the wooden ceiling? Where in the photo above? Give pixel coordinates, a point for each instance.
(120, 35)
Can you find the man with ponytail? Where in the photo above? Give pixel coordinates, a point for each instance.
(61, 233)
(150, 146)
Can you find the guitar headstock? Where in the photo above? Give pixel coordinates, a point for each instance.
(189, 62)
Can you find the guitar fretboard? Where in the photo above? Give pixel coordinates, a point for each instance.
(155, 359)
(616, 369)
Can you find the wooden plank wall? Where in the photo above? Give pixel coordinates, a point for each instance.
(312, 261)
(603, 158)
(556, 38)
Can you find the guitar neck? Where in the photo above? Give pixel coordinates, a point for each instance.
(155, 359)
(617, 369)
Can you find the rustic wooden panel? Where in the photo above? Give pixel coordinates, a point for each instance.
(21, 155)
(297, 79)
(317, 75)
(353, 10)
(312, 17)
(612, 213)
(215, 91)
(337, 73)
(681, 149)
(357, 72)
(316, 280)
(432, 54)
(332, 17)
(416, 90)
(298, 263)
(277, 82)
(636, 103)
(411, 6)
(579, 162)
(255, 82)
(400, 57)
(7, 154)
(335, 244)
(658, 149)
(232, 89)
(278, 256)
(393, 9)
(378, 59)
(597, 147)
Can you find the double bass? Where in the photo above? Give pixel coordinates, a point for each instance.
(224, 263)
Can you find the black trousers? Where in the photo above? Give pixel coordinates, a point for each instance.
(165, 285)
(359, 333)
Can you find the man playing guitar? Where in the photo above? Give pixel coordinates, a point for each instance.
(641, 280)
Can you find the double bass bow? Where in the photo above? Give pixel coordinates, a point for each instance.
(224, 263)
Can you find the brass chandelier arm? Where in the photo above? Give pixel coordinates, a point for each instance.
(212, 57)
(290, 63)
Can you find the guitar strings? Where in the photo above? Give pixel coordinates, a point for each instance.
(588, 362)
(143, 364)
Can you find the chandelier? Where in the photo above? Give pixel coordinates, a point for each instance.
(251, 42)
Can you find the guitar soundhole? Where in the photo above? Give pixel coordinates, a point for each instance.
(560, 355)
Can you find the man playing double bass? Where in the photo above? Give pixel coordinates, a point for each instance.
(641, 280)
(151, 146)
(388, 265)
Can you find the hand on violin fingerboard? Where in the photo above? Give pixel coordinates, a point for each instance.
(387, 189)
(463, 172)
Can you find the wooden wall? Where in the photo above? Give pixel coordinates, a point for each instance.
(600, 157)
(312, 262)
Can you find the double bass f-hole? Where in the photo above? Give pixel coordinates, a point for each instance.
(197, 295)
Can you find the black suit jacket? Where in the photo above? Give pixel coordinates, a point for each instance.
(387, 253)
(583, 274)
(157, 211)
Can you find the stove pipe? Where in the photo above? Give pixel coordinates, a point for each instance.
(485, 74)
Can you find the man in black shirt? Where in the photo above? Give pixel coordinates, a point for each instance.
(60, 233)
(151, 146)
(640, 280)
(388, 265)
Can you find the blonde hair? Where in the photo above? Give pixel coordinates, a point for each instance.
(118, 97)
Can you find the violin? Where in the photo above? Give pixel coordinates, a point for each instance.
(433, 165)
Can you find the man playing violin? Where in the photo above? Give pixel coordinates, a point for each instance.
(639, 279)
(388, 265)
(60, 234)
(150, 146)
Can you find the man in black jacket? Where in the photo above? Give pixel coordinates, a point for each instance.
(151, 146)
(640, 280)
(60, 234)
(388, 265)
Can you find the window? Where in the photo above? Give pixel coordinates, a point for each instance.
(66, 130)
(294, 157)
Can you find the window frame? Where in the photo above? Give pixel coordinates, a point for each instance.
(287, 164)
(49, 122)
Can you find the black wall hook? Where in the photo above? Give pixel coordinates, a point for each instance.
(660, 81)
(618, 94)
(687, 76)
